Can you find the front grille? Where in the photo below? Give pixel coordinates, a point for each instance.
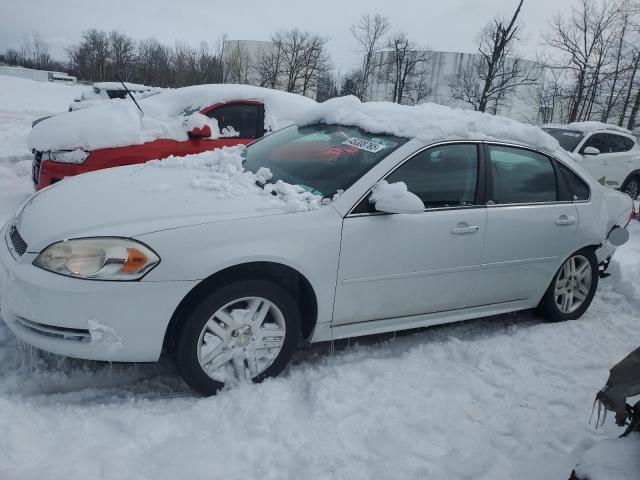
(18, 243)
(62, 333)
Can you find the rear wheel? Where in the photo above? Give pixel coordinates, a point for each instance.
(572, 288)
(246, 330)
(632, 187)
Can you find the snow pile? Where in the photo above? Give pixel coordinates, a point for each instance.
(21, 94)
(612, 459)
(591, 126)
(105, 336)
(21, 102)
(166, 116)
(427, 122)
(221, 172)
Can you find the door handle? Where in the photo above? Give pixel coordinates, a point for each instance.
(463, 228)
(565, 220)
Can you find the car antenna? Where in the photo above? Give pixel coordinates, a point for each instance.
(131, 95)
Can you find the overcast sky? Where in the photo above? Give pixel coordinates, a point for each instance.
(449, 25)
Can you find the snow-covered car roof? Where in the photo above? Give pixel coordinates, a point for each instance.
(167, 115)
(118, 86)
(588, 127)
(427, 122)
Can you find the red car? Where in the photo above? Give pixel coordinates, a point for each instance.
(240, 121)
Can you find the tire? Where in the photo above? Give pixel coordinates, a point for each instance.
(554, 306)
(226, 333)
(632, 187)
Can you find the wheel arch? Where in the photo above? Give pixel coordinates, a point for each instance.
(593, 247)
(284, 275)
(634, 173)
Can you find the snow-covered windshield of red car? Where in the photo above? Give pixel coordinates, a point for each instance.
(324, 159)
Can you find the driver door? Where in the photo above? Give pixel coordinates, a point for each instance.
(397, 265)
(245, 118)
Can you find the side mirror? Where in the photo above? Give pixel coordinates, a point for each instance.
(591, 151)
(200, 132)
(395, 198)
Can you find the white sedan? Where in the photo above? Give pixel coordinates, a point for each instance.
(367, 218)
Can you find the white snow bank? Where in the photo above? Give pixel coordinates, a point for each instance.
(166, 115)
(21, 94)
(612, 459)
(427, 122)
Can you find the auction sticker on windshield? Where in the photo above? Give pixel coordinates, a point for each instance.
(363, 144)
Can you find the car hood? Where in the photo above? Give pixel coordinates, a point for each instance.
(137, 199)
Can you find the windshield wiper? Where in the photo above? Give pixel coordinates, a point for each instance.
(131, 95)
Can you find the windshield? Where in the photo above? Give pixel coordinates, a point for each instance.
(568, 139)
(323, 159)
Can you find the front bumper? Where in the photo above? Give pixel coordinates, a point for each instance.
(94, 320)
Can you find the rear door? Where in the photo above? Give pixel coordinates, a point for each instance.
(531, 228)
(239, 123)
(623, 159)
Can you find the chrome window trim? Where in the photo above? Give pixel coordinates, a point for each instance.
(389, 172)
(466, 207)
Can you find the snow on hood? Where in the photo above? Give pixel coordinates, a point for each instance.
(427, 122)
(168, 115)
(132, 200)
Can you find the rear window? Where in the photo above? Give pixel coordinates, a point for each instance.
(117, 93)
(577, 189)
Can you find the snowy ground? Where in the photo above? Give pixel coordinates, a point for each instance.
(501, 398)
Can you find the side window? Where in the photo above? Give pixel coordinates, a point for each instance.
(521, 176)
(442, 176)
(577, 189)
(597, 140)
(616, 143)
(242, 118)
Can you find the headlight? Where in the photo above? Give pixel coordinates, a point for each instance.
(68, 156)
(98, 258)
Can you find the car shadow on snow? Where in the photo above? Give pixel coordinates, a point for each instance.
(28, 372)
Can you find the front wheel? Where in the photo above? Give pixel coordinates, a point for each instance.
(572, 288)
(247, 330)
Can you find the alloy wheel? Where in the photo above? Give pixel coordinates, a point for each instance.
(241, 339)
(573, 284)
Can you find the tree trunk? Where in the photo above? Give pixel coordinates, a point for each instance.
(634, 112)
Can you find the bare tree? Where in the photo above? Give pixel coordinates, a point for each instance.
(582, 39)
(497, 70)
(123, 54)
(237, 64)
(405, 68)
(32, 53)
(269, 63)
(369, 34)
